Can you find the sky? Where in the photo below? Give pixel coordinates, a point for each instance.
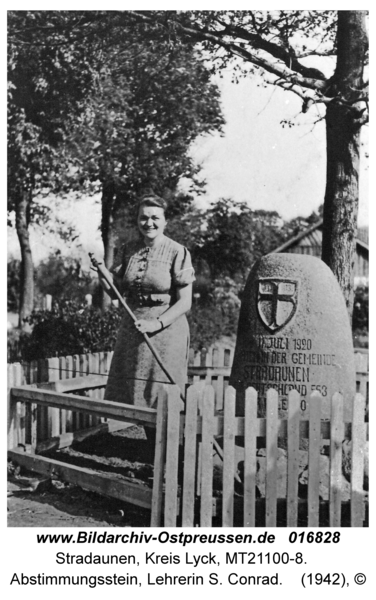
(256, 160)
(264, 164)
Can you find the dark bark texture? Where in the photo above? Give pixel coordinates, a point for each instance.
(27, 268)
(108, 233)
(343, 124)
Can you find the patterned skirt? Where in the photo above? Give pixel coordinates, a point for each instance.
(135, 375)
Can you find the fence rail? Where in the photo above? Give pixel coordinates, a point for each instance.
(67, 373)
(23, 396)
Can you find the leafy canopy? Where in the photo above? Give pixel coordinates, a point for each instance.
(151, 103)
(50, 73)
(295, 49)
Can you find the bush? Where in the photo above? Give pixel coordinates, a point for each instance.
(13, 272)
(360, 317)
(209, 324)
(217, 316)
(68, 329)
(73, 328)
(63, 278)
(14, 345)
(360, 312)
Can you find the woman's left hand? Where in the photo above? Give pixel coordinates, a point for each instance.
(145, 326)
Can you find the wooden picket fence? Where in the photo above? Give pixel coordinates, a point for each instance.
(87, 373)
(54, 402)
(237, 503)
(212, 366)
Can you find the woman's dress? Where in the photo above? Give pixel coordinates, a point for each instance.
(149, 277)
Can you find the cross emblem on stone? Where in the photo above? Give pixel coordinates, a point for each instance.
(276, 302)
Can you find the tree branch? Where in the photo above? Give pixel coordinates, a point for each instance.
(315, 53)
(287, 56)
(285, 72)
(364, 120)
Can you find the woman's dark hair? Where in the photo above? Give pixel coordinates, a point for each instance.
(151, 199)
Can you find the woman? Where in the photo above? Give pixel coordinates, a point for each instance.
(156, 279)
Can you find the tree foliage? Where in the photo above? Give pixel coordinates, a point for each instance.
(361, 308)
(50, 73)
(278, 42)
(13, 285)
(49, 77)
(299, 224)
(64, 279)
(151, 104)
(153, 100)
(235, 236)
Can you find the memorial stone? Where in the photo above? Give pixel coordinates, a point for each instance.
(294, 333)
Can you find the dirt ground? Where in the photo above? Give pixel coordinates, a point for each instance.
(34, 501)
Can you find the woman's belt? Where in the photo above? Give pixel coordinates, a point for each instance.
(149, 299)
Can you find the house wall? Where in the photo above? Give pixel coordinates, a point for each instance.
(311, 245)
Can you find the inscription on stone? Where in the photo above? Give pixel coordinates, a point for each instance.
(294, 332)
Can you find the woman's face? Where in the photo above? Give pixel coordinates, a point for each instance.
(151, 222)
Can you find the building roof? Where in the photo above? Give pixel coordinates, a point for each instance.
(313, 237)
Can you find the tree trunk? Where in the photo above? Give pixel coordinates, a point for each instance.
(108, 234)
(27, 268)
(341, 199)
(343, 118)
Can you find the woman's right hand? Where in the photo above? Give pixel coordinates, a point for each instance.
(148, 326)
